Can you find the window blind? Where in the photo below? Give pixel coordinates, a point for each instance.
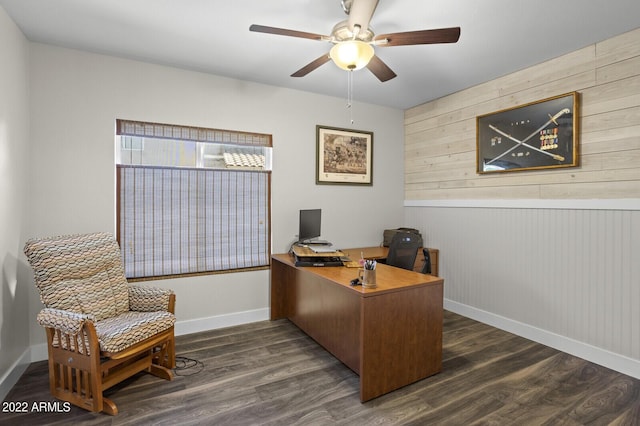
(189, 133)
(176, 221)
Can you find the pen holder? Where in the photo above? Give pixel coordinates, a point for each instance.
(368, 278)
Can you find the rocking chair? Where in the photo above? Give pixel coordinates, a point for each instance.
(100, 329)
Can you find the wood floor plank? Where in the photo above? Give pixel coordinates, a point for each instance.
(271, 373)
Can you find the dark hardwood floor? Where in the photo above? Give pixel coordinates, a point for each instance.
(270, 373)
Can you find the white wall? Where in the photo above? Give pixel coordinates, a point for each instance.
(14, 144)
(566, 277)
(75, 99)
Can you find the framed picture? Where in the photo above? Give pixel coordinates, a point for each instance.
(344, 156)
(538, 135)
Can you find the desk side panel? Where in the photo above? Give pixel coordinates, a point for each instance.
(330, 314)
(402, 339)
(281, 277)
(326, 311)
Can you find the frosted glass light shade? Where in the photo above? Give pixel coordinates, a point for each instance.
(351, 54)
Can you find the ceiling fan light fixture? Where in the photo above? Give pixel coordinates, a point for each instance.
(351, 55)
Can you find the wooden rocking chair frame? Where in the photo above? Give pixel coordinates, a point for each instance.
(81, 373)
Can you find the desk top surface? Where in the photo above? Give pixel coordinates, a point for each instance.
(388, 278)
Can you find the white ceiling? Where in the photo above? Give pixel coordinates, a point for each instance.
(498, 37)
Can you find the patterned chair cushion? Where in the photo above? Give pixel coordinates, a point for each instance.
(80, 273)
(114, 334)
(66, 321)
(148, 299)
(118, 333)
(95, 295)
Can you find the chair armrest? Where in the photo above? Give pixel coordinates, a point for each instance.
(66, 321)
(149, 299)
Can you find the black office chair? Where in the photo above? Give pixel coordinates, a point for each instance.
(403, 250)
(426, 268)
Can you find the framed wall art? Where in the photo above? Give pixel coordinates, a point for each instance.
(538, 135)
(344, 156)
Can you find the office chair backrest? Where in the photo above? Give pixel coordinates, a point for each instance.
(426, 268)
(403, 250)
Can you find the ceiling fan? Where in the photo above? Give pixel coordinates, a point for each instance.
(353, 40)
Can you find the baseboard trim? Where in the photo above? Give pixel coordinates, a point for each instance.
(579, 204)
(617, 362)
(10, 378)
(39, 352)
(221, 321)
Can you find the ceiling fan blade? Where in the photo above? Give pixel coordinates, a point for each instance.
(380, 69)
(312, 66)
(361, 12)
(442, 35)
(285, 32)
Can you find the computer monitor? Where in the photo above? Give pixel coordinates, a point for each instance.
(309, 225)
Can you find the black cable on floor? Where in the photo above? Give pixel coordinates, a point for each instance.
(183, 364)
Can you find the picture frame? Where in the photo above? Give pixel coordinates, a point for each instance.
(343, 156)
(537, 135)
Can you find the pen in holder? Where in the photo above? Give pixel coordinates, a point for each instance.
(368, 274)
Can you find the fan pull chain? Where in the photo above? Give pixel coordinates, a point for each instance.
(350, 94)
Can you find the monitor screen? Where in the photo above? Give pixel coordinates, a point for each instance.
(309, 224)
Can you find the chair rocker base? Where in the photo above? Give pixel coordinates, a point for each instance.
(80, 376)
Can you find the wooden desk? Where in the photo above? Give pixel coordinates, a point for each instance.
(390, 336)
(382, 252)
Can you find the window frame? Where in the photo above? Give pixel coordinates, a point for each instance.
(205, 135)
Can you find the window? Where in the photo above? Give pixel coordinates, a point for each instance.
(191, 200)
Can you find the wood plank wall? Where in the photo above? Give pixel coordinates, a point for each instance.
(440, 136)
